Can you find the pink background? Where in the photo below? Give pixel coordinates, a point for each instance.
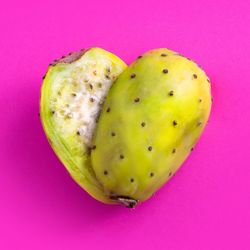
(205, 206)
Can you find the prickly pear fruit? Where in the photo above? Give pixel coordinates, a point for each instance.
(151, 119)
(72, 93)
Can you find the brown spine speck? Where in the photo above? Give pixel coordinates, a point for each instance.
(137, 99)
(171, 93)
(108, 110)
(133, 75)
(97, 118)
(163, 55)
(175, 123)
(150, 148)
(165, 71)
(199, 66)
(195, 76)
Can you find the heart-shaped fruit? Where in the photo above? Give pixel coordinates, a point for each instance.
(151, 119)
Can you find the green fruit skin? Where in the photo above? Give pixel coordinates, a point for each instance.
(151, 119)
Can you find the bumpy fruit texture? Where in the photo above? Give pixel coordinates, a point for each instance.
(151, 119)
(72, 93)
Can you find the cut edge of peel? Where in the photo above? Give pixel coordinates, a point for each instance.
(70, 58)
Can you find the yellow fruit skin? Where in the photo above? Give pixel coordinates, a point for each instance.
(151, 119)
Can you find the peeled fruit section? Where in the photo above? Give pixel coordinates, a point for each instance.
(72, 95)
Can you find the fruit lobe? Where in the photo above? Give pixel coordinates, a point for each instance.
(71, 98)
(151, 119)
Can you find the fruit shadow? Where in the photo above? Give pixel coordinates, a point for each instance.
(43, 178)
